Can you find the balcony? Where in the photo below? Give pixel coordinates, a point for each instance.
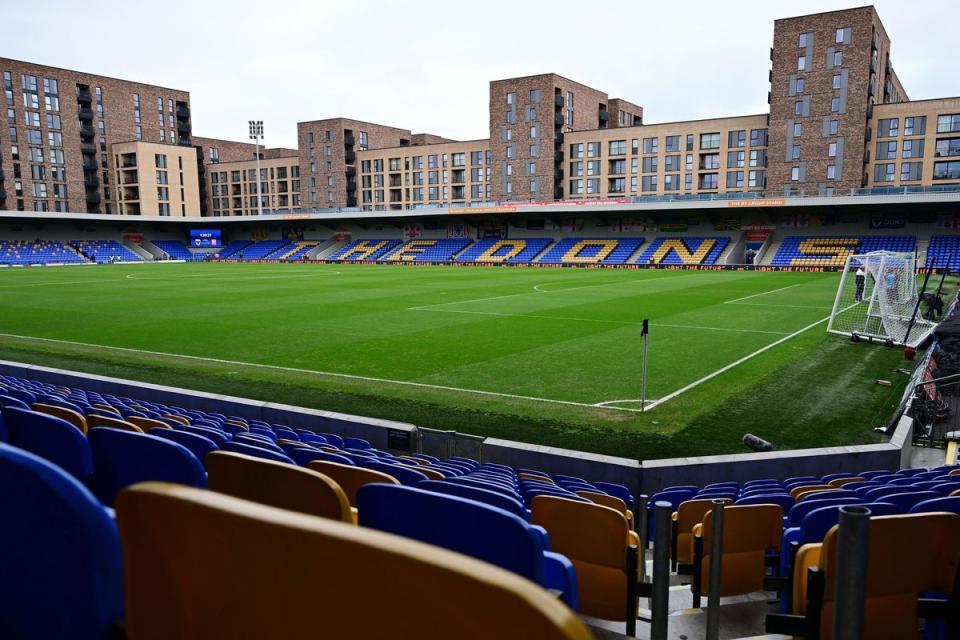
(93, 197)
(1, 175)
(87, 131)
(183, 126)
(350, 157)
(86, 114)
(91, 182)
(88, 148)
(348, 140)
(558, 155)
(84, 96)
(3, 193)
(183, 111)
(558, 174)
(558, 119)
(89, 163)
(351, 187)
(351, 172)
(604, 115)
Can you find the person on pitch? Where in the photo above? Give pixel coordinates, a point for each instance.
(861, 279)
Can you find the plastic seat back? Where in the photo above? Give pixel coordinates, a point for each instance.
(948, 504)
(255, 561)
(257, 452)
(73, 417)
(303, 456)
(748, 531)
(618, 490)
(689, 514)
(905, 501)
(199, 446)
(213, 434)
(95, 420)
(899, 569)
(350, 477)
(459, 524)
(57, 545)
(798, 511)
(276, 484)
(486, 496)
(595, 538)
(122, 458)
(785, 501)
(51, 438)
(816, 524)
(404, 475)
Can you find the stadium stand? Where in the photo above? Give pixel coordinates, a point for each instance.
(509, 251)
(104, 251)
(427, 250)
(944, 252)
(295, 250)
(262, 250)
(24, 252)
(234, 249)
(364, 250)
(177, 250)
(687, 250)
(591, 251)
(770, 525)
(832, 251)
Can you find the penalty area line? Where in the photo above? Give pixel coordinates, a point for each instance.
(329, 374)
(762, 293)
(736, 363)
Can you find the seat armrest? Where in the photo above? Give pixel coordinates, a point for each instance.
(559, 574)
(542, 534)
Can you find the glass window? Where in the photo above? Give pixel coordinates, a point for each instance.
(710, 140)
(836, 81)
(885, 172)
(651, 145)
(915, 125)
(801, 84)
(837, 58)
(795, 173)
(618, 147)
(593, 149)
(948, 123)
(801, 63)
(737, 138)
(832, 149)
(835, 105)
(758, 137)
(803, 40)
(911, 171)
(888, 127)
(831, 172)
(948, 147)
(946, 170)
(795, 152)
(797, 129)
(576, 150)
(834, 127)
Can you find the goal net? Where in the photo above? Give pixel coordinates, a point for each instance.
(877, 299)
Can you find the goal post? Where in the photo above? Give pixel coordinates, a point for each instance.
(877, 298)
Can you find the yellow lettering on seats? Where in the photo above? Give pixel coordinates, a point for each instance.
(363, 250)
(606, 248)
(412, 249)
(515, 247)
(825, 251)
(680, 248)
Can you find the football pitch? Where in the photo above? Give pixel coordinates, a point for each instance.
(548, 356)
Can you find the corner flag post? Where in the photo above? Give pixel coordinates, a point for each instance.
(645, 335)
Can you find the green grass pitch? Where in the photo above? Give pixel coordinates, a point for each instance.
(548, 356)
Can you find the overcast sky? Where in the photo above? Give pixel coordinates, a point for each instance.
(425, 64)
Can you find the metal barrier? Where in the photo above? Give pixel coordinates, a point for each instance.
(444, 444)
(853, 546)
(660, 595)
(716, 561)
(936, 410)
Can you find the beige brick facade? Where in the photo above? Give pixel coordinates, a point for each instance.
(156, 179)
(446, 173)
(233, 186)
(65, 122)
(700, 156)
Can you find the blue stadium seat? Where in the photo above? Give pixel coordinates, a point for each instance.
(62, 573)
(832, 251)
(122, 458)
(421, 250)
(364, 250)
(591, 250)
(257, 452)
(198, 445)
(469, 527)
(513, 251)
(51, 438)
(103, 251)
(684, 250)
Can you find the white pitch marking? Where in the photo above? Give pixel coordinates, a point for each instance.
(671, 396)
(573, 319)
(347, 376)
(763, 293)
(783, 306)
(609, 402)
(131, 276)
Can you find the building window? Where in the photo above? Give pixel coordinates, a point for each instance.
(648, 183)
(837, 58)
(689, 142)
(576, 187)
(758, 158)
(138, 132)
(888, 127)
(651, 145)
(737, 138)
(795, 173)
(831, 172)
(801, 84)
(534, 95)
(804, 39)
(835, 105)
(887, 150)
(672, 143)
(618, 147)
(758, 137)
(946, 170)
(795, 152)
(911, 171)
(735, 179)
(915, 125)
(593, 185)
(832, 149)
(946, 147)
(576, 150)
(801, 63)
(798, 108)
(709, 181)
(650, 164)
(593, 149)
(757, 179)
(885, 172)
(948, 123)
(843, 35)
(710, 140)
(511, 98)
(797, 129)
(834, 127)
(735, 159)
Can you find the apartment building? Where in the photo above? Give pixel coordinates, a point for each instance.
(154, 179)
(234, 187)
(700, 156)
(328, 157)
(529, 118)
(55, 152)
(829, 71)
(914, 143)
(404, 177)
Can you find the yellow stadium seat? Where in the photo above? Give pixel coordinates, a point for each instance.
(839, 482)
(748, 532)
(802, 495)
(148, 423)
(277, 484)
(533, 476)
(412, 460)
(687, 516)
(609, 501)
(908, 555)
(350, 478)
(180, 419)
(107, 408)
(69, 415)
(433, 474)
(93, 420)
(603, 551)
(202, 565)
(796, 491)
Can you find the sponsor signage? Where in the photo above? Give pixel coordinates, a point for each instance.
(480, 210)
(769, 202)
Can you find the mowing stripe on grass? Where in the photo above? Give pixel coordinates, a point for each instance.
(572, 319)
(347, 376)
(764, 293)
(710, 376)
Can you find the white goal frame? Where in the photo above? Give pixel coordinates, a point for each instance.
(882, 304)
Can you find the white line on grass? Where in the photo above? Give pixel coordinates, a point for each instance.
(784, 306)
(600, 320)
(735, 363)
(764, 293)
(609, 402)
(347, 376)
